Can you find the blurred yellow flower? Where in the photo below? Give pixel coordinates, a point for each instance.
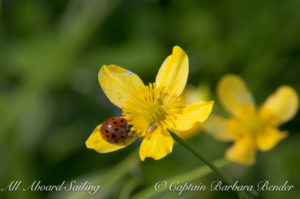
(191, 95)
(152, 109)
(250, 128)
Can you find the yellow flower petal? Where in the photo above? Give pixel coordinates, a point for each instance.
(242, 151)
(217, 127)
(156, 144)
(192, 113)
(173, 73)
(232, 93)
(267, 139)
(119, 84)
(96, 142)
(284, 103)
(268, 116)
(237, 129)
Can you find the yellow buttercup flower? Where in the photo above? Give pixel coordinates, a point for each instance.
(251, 128)
(150, 109)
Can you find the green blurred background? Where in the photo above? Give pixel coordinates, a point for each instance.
(50, 99)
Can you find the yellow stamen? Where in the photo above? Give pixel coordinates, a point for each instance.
(151, 107)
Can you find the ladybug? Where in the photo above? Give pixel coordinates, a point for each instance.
(115, 130)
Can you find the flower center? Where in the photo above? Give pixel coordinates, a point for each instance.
(151, 107)
(155, 113)
(255, 124)
(247, 123)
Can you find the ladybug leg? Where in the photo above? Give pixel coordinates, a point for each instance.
(128, 127)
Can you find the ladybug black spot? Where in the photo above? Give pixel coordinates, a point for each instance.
(121, 120)
(115, 122)
(113, 135)
(106, 130)
(115, 129)
(122, 132)
(122, 136)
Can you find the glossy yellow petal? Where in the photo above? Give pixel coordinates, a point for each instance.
(96, 142)
(267, 139)
(232, 93)
(192, 113)
(119, 84)
(173, 73)
(156, 144)
(242, 151)
(284, 103)
(217, 127)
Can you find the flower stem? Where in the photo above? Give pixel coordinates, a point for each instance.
(213, 167)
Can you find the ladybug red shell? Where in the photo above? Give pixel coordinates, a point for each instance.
(115, 130)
